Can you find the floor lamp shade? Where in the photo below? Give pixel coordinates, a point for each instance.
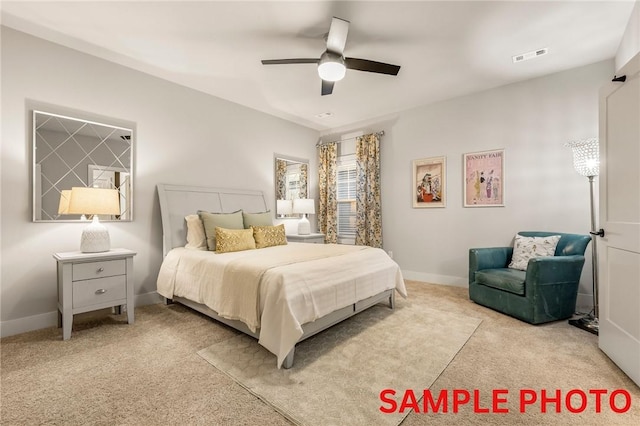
(304, 206)
(586, 156)
(586, 161)
(94, 201)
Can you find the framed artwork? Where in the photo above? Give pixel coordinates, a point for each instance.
(484, 179)
(428, 182)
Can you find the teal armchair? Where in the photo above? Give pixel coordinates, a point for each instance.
(545, 292)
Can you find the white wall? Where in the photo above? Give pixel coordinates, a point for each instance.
(531, 120)
(630, 44)
(183, 136)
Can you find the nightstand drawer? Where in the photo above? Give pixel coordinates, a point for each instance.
(90, 270)
(101, 290)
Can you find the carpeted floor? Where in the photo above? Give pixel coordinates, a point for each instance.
(149, 373)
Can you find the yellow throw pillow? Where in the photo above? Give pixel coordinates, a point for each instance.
(267, 236)
(228, 240)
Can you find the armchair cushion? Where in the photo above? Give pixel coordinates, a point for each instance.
(511, 280)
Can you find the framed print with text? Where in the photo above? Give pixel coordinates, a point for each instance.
(484, 179)
(429, 182)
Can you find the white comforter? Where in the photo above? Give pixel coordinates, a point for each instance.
(296, 283)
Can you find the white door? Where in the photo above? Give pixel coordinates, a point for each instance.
(619, 249)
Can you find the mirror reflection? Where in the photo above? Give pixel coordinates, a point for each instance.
(71, 152)
(291, 183)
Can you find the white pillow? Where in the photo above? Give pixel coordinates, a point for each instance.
(196, 238)
(525, 248)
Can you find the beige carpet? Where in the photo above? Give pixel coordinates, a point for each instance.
(149, 373)
(338, 374)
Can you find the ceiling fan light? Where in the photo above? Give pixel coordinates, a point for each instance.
(331, 67)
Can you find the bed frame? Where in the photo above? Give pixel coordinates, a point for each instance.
(178, 201)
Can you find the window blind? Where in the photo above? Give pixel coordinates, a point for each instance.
(346, 197)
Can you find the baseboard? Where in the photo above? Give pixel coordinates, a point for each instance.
(25, 324)
(435, 278)
(584, 302)
(50, 319)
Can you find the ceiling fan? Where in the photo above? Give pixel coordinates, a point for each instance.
(332, 65)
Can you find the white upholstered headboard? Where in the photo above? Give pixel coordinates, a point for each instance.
(178, 201)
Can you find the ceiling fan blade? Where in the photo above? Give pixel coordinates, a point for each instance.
(371, 66)
(327, 87)
(289, 61)
(337, 37)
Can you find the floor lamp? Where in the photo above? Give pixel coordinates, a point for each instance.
(586, 161)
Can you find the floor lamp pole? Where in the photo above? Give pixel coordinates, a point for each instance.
(594, 250)
(590, 322)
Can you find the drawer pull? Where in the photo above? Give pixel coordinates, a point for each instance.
(101, 291)
(100, 269)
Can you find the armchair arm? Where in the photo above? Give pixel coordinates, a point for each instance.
(555, 269)
(488, 258)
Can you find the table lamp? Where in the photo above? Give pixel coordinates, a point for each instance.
(304, 206)
(94, 201)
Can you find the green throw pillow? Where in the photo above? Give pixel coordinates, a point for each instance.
(222, 220)
(257, 219)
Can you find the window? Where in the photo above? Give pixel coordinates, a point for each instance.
(346, 183)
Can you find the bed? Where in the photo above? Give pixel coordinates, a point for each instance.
(279, 295)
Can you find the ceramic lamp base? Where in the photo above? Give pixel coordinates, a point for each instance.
(95, 238)
(304, 227)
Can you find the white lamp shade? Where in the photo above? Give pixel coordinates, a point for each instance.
(284, 207)
(65, 197)
(94, 201)
(304, 206)
(331, 67)
(586, 156)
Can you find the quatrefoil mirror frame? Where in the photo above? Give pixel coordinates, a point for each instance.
(69, 152)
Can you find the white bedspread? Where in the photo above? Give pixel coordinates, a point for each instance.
(296, 283)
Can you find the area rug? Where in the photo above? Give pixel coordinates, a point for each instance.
(338, 374)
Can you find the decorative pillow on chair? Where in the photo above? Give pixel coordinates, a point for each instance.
(257, 219)
(196, 238)
(525, 248)
(228, 240)
(268, 236)
(223, 220)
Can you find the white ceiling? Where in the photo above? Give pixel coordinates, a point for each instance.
(446, 48)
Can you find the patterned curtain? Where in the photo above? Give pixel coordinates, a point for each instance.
(304, 174)
(368, 209)
(328, 205)
(281, 179)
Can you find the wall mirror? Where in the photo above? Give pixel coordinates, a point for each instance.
(291, 177)
(70, 152)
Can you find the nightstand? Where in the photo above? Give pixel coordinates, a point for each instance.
(311, 238)
(92, 281)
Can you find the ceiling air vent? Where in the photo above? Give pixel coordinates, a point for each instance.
(530, 55)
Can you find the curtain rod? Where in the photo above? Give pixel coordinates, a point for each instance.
(379, 134)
